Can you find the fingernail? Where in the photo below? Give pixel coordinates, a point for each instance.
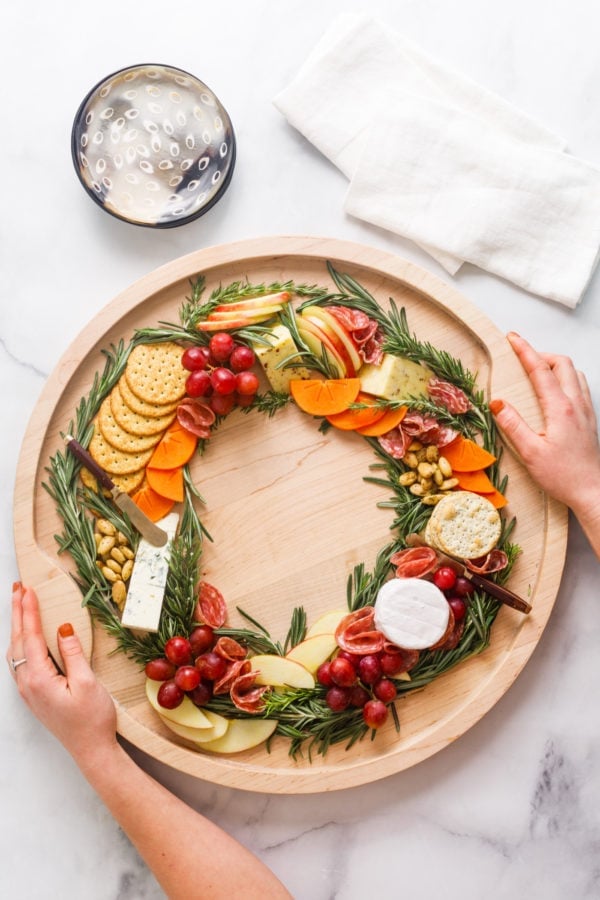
(496, 406)
(66, 630)
(16, 586)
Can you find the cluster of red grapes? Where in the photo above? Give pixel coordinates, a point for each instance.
(219, 373)
(455, 587)
(189, 668)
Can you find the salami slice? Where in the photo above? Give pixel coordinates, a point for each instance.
(211, 608)
(414, 562)
(234, 669)
(495, 561)
(441, 644)
(395, 443)
(196, 417)
(446, 394)
(409, 657)
(356, 634)
(247, 696)
(229, 649)
(454, 637)
(365, 332)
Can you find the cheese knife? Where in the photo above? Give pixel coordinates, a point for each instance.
(486, 584)
(153, 534)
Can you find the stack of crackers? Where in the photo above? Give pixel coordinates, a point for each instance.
(134, 416)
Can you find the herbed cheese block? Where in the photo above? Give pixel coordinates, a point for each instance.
(281, 347)
(396, 378)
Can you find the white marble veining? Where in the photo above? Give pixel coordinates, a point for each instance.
(511, 809)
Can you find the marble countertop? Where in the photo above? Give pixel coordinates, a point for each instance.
(509, 810)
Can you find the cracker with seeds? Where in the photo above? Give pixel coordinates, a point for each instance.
(136, 423)
(464, 525)
(151, 410)
(155, 374)
(118, 437)
(114, 461)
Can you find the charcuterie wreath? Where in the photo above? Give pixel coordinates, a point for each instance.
(340, 358)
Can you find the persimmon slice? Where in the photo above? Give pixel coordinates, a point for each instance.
(390, 419)
(324, 397)
(351, 419)
(464, 455)
(477, 482)
(166, 482)
(152, 503)
(175, 448)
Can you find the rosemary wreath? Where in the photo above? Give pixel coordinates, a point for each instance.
(303, 716)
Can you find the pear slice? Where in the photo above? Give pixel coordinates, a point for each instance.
(185, 714)
(200, 735)
(313, 651)
(327, 623)
(278, 671)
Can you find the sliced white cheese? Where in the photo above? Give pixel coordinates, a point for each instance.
(147, 583)
(411, 613)
(396, 378)
(281, 346)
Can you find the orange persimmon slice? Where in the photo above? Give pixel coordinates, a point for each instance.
(390, 419)
(476, 482)
(496, 499)
(324, 397)
(464, 455)
(166, 482)
(351, 419)
(175, 448)
(152, 503)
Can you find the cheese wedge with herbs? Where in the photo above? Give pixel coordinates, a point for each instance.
(280, 347)
(396, 378)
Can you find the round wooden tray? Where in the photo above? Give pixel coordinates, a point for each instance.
(291, 515)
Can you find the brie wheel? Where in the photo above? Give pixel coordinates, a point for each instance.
(411, 613)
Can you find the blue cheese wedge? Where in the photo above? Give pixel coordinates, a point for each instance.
(411, 613)
(148, 579)
(396, 378)
(281, 346)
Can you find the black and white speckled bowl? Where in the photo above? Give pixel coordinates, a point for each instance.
(153, 145)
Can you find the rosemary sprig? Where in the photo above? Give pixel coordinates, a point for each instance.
(297, 630)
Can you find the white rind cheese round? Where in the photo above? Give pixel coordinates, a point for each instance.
(411, 613)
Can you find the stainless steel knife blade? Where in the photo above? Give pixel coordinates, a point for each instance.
(486, 584)
(153, 534)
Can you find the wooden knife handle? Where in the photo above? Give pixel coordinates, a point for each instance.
(86, 460)
(500, 593)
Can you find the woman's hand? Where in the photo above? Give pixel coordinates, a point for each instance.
(74, 706)
(564, 459)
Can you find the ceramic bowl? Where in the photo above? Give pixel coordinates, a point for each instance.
(153, 145)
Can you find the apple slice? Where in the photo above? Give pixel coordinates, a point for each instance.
(313, 651)
(324, 333)
(256, 302)
(327, 623)
(251, 315)
(242, 734)
(316, 340)
(185, 714)
(330, 325)
(200, 735)
(227, 325)
(278, 671)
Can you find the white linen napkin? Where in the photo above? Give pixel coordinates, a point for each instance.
(365, 93)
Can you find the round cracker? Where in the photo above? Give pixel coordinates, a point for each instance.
(134, 422)
(127, 483)
(152, 410)
(113, 461)
(155, 374)
(465, 525)
(118, 437)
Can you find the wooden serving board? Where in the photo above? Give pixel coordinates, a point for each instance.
(291, 516)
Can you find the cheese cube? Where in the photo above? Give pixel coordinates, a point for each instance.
(281, 346)
(396, 378)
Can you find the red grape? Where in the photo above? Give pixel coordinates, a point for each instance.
(198, 384)
(244, 399)
(221, 346)
(354, 658)
(463, 587)
(169, 695)
(392, 663)
(342, 672)
(242, 358)
(358, 696)
(222, 380)
(201, 694)
(159, 669)
(459, 608)
(211, 666)
(178, 651)
(444, 578)
(187, 678)
(222, 404)
(324, 675)
(195, 358)
(375, 713)
(201, 639)
(369, 669)
(337, 698)
(385, 690)
(246, 383)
